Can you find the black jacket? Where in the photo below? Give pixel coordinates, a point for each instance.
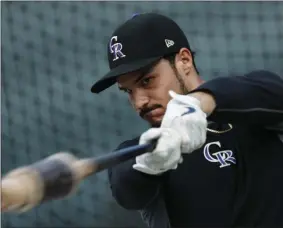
(234, 180)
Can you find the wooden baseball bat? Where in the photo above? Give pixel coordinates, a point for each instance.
(57, 176)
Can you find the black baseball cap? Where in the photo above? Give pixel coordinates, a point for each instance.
(138, 43)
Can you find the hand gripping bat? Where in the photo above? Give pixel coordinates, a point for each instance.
(57, 176)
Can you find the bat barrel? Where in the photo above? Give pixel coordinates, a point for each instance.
(21, 189)
(48, 179)
(57, 176)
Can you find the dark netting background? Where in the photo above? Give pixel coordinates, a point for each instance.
(52, 52)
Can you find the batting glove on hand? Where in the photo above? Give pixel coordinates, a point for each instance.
(185, 116)
(166, 155)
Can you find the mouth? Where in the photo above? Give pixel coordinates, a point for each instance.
(157, 112)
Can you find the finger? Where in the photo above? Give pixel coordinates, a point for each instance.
(178, 123)
(149, 135)
(144, 169)
(169, 141)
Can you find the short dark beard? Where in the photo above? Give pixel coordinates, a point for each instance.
(183, 88)
(155, 125)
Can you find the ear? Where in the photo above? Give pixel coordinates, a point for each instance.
(184, 62)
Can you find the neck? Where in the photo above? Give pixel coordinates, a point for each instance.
(194, 81)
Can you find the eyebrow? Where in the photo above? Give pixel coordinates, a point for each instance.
(144, 72)
(136, 81)
(140, 77)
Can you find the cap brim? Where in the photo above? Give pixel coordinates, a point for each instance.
(111, 77)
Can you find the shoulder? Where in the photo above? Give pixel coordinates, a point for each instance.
(261, 73)
(229, 134)
(240, 136)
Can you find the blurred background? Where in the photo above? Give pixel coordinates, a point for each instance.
(52, 52)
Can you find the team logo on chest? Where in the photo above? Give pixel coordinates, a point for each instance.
(116, 48)
(223, 157)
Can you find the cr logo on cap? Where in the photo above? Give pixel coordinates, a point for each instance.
(116, 48)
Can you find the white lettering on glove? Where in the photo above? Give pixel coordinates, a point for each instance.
(184, 114)
(166, 155)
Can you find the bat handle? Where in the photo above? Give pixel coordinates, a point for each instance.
(86, 167)
(107, 161)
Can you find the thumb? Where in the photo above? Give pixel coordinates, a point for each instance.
(178, 97)
(184, 99)
(172, 94)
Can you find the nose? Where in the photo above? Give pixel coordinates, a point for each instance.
(139, 100)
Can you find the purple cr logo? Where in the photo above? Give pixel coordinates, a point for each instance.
(116, 48)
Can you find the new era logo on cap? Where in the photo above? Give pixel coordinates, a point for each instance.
(169, 43)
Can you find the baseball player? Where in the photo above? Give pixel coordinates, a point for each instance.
(218, 160)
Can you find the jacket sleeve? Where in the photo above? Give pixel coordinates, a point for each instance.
(133, 190)
(255, 98)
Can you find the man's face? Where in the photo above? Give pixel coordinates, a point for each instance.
(148, 91)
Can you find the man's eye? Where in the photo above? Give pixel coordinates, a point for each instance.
(127, 91)
(145, 81)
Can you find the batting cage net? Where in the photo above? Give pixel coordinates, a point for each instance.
(53, 51)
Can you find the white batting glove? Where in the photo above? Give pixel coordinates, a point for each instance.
(185, 116)
(166, 155)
